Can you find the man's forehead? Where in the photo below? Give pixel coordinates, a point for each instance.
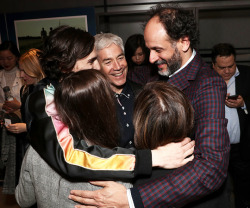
(155, 31)
(110, 52)
(225, 59)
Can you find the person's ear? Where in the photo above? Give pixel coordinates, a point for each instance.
(213, 65)
(185, 44)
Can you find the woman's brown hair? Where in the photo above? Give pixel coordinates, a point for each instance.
(84, 101)
(162, 114)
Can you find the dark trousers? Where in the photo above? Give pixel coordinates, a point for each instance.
(240, 172)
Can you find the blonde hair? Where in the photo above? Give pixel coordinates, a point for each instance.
(29, 63)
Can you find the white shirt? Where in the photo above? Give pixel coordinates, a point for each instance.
(233, 125)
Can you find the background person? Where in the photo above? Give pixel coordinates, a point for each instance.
(140, 70)
(10, 84)
(237, 112)
(31, 73)
(10, 76)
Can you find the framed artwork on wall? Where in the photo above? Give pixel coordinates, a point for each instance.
(29, 29)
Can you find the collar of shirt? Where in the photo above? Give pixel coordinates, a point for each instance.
(231, 83)
(126, 92)
(189, 60)
(231, 114)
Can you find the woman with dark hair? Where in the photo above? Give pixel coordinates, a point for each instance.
(137, 55)
(10, 77)
(168, 114)
(162, 114)
(84, 102)
(10, 85)
(95, 118)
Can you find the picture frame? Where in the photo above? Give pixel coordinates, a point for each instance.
(29, 29)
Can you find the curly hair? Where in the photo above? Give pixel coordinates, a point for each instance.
(62, 48)
(178, 23)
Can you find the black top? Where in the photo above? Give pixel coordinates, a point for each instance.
(24, 93)
(125, 105)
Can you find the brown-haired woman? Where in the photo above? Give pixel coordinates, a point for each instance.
(162, 114)
(95, 119)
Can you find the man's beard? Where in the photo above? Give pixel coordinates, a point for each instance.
(173, 64)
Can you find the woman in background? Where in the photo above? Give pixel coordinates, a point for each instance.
(10, 76)
(10, 85)
(140, 70)
(31, 72)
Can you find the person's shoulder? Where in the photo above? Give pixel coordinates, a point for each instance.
(198, 69)
(136, 88)
(30, 156)
(207, 71)
(134, 84)
(44, 83)
(36, 100)
(38, 88)
(208, 76)
(34, 163)
(243, 68)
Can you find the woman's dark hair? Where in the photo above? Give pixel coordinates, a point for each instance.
(9, 45)
(133, 42)
(222, 49)
(162, 114)
(178, 23)
(62, 48)
(84, 101)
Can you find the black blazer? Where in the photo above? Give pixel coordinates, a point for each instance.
(243, 88)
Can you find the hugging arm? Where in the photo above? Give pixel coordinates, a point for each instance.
(74, 159)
